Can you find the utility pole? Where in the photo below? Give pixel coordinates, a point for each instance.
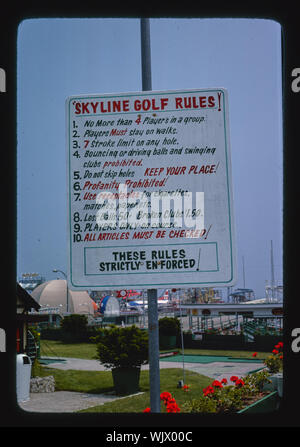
(152, 293)
(272, 272)
(67, 289)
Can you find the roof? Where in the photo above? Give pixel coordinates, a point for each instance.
(56, 293)
(26, 299)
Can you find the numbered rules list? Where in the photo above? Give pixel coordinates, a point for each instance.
(149, 190)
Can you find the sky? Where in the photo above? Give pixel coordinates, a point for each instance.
(57, 58)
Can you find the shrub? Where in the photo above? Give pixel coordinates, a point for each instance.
(74, 323)
(256, 381)
(274, 361)
(169, 326)
(122, 347)
(51, 333)
(74, 327)
(36, 369)
(200, 405)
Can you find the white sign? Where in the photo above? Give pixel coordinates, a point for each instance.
(149, 190)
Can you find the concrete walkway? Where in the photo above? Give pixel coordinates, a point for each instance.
(67, 401)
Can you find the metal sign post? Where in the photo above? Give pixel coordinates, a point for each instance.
(152, 293)
(146, 55)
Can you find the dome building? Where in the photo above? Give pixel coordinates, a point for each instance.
(56, 294)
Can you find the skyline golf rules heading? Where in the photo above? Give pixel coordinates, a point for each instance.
(143, 105)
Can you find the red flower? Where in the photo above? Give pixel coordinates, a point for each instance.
(217, 384)
(224, 381)
(275, 351)
(173, 407)
(147, 410)
(208, 390)
(185, 387)
(165, 396)
(169, 402)
(239, 383)
(254, 354)
(233, 378)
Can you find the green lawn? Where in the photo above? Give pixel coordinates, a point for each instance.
(235, 354)
(101, 382)
(51, 348)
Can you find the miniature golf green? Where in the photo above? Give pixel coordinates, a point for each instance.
(189, 358)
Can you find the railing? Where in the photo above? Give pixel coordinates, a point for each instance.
(32, 349)
(220, 323)
(262, 326)
(249, 329)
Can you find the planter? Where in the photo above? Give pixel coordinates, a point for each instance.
(277, 380)
(267, 404)
(279, 384)
(126, 380)
(167, 341)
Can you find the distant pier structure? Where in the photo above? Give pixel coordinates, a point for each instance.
(274, 293)
(29, 281)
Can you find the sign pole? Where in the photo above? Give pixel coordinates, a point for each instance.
(154, 376)
(153, 351)
(146, 55)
